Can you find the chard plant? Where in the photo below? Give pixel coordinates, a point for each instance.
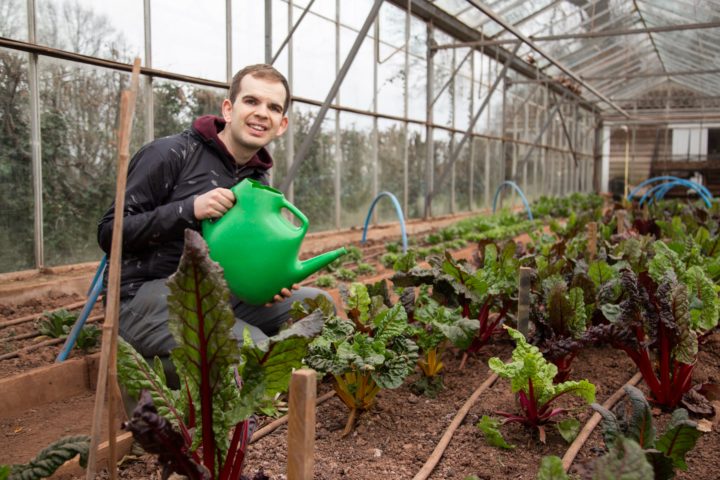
(661, 314)
(202, 431)
(435, 327)
(56, 324)
(487, 294)
(629, 432)
(370, 351)
(531, 379)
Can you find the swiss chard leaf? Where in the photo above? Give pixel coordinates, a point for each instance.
(49, 459)
(489, 427)
(551, 468)
(625, 461)
(679, 439)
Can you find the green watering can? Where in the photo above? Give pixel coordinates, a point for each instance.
(258, 247)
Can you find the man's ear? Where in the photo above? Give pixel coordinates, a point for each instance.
(283, 126)
(226, 109)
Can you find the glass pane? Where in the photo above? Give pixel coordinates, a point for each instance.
(417, 153)
(391, 166)
(353, 14)
(248, 33)
(356, 90)
(192, 44)
(314, 53)
(443, 63)
(16, 192)
(441, 201)
(110, 29)
(177, 104)
(79, 108)
(314, 185)
(356, 169)
(461, 174)
(391, 66)
(13, 19)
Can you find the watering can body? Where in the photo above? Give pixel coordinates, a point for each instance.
(258, 247)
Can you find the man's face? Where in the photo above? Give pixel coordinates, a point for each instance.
(256, 118)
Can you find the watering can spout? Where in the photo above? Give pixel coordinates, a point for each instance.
(312, 265)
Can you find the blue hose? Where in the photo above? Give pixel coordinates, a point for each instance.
(399, 212)
(635, 190)
(93, 294)
(518, 190)
(659, 191)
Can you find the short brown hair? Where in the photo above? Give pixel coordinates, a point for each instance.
(260, 70)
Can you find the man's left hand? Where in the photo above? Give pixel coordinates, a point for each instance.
(284, 294)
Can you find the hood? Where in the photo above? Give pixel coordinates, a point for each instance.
(208, 127)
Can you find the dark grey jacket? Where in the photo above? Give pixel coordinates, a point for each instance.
(164, 177)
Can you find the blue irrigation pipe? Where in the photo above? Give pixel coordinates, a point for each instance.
(658, 191)
(518, 190)
(93, 294)
(663, 178)
(399, 212)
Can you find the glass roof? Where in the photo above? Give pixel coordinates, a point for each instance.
(621, 48)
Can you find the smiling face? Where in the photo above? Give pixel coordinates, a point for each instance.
(255, 118)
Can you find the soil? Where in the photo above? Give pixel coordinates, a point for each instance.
(395, 439)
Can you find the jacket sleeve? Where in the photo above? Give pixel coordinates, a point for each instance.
(148, 218)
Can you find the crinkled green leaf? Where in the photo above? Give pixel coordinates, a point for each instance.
(405, 262)
(601, 272)
(489, 427)
(611, 311)
(528, 364)
(611, 428)
(458, 329)
(686, 347)
(358, 300)
(625, 461)
(577, 323)
(569, 429)
(704, 304)
(665, 259)
(399, 362)
(362, 353)
(390, 323)
(4, 472)
(679, 439)
(51, 458)
(551, 468)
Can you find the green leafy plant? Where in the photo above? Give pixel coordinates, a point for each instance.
(370, 351)
(345, 274)
(56, 324)
(364, 269)
(531, 379)
(490, 427)
(551, 468)
(389, 259)
(325, 281)
(435, 327)
(203, 430)
(633, 421)
(49, 459)
(88, 338)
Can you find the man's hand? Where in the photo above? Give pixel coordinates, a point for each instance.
(284, 293)
(213, 204)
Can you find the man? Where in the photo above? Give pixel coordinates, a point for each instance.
(176, 182)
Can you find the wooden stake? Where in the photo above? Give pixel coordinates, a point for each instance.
(107, 370)
(301, 425)
(523, 318)
(592, 240)
(620, 217)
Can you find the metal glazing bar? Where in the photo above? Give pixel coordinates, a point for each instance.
(290, 134)
(406, 106)
(292, 31)
(455, 154)
(452, 77)
(534, 144)
(148, 80)
(429, 146)
(532, 45)
(652, 40)
(35, 142)
(268, 31)
(338, 131)
(305, 147)
(228, 41)
(567, 136)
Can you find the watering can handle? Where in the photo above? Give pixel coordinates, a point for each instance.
(301, 216)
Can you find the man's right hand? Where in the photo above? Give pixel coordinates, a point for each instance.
(213, 204)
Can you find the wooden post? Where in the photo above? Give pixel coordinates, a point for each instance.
(107, 370)
(620, 217)
(592, 239)
(523, 318)
(301, 425)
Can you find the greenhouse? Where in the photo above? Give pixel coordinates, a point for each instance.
(422, 239)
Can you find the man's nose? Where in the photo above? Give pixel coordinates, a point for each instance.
(261, 110)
